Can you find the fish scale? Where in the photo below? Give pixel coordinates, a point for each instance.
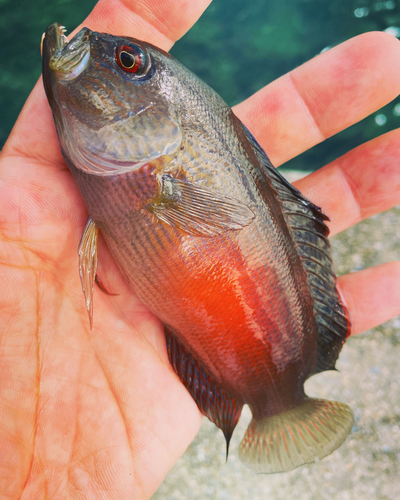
(228, 255)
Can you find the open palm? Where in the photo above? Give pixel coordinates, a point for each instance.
(100, 414)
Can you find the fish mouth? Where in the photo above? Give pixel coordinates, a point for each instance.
(66, 58)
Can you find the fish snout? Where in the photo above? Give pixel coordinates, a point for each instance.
(67, 59)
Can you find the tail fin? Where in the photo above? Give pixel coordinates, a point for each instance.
(299, 436)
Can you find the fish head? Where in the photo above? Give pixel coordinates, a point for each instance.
(110, 100)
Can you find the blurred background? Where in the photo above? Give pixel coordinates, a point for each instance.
(237, 47)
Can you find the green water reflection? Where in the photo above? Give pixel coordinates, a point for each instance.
(237, 47)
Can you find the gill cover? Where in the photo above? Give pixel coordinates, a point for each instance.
(125, 144)
(110, 119)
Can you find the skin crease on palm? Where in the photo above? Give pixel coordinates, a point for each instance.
(100, 414)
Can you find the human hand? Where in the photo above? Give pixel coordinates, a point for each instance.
(100, 414)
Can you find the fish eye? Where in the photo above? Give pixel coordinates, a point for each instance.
(133, 59)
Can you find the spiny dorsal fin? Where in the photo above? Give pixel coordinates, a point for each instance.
(309, 232)
(213, 401)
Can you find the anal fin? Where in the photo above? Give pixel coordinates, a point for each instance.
(213, 401)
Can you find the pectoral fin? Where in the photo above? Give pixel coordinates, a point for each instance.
(198, 210)
(87, 251)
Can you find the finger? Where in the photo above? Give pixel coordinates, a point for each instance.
(156, 21)
(159, 22)
(324, 96)
(362, 183)
(372, 295)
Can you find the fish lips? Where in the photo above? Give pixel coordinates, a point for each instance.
(66, 59)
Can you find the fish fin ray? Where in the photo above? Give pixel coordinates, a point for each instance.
(306, 224)
(213, 401)
(198, 210)
(304, 434)
(87, 252)
(102, 287)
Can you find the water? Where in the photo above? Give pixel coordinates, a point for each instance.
(237, 47)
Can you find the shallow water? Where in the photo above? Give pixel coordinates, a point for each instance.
(237, 47)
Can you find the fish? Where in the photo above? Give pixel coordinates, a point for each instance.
(231, 257)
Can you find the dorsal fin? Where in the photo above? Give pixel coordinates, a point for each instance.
(309, 232)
